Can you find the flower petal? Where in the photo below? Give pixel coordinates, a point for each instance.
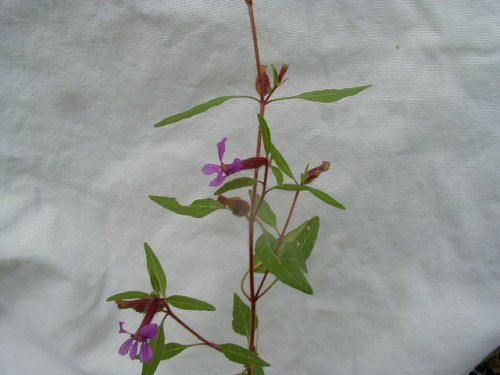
(149, 331)
(211, 169)
(234, 167)
(125, 347)
(221, 147)
(121, 328)
(146, 353)
(218, 181)
(133, 350)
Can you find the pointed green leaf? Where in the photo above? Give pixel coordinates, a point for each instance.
(258, 370)
(331, 95)
(275, 75)
(156, 273)
(326, 96)
(303, 176)
(235, 184)
(326, 198)
(284, 268)
(194, 111)
(304, 236)
(133, 294)
(188, 303)
(317, 193)
(199, 208)
(277, 174)
(266, 133)
(238, 354)
(172, 349)
(265, 213)
(281, 162)
(242, 317)
(157, 345)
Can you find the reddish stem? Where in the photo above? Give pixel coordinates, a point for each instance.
(251, 222)
(285, 227)
(200, 337)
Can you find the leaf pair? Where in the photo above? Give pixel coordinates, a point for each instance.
(159, 285)
(323, 96)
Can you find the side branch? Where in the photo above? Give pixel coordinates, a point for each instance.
(196, 334)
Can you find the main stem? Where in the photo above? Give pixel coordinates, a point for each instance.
(251, 223)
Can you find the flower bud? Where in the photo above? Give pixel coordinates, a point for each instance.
(255, 162)
(238, 206)
(282, 73)
(264, 84)
(315, 172)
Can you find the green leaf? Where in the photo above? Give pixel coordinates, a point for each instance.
(317, 193)
(188, 303)
(133, 294)
(304, 236)
(331, 95)
(303, 176)
(326, 198)
(157, 345)
(172, 349)
(258, 370)
(242, 317)
(275, 75)
(277, 174)
(258, 267)
(326, 96)
(292, 255)
(265, 213)
(200, 108)
(266, 133)
(285, 268)
(156, 273)
(238, 354)
(235, 184)
(281, 162)
(199, 208)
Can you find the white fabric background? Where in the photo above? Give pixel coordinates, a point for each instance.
(406, 280)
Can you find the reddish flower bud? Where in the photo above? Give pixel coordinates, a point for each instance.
(315, 172)
(237, 205)
(264, 84)
(282, 73)
(140, 305)
(255, 162)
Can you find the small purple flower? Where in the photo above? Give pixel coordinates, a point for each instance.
(130, 346)
(222, 169)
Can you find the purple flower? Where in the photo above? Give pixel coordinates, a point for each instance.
(221, 169)
(130, 346)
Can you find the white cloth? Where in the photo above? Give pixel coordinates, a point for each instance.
(406, 279)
